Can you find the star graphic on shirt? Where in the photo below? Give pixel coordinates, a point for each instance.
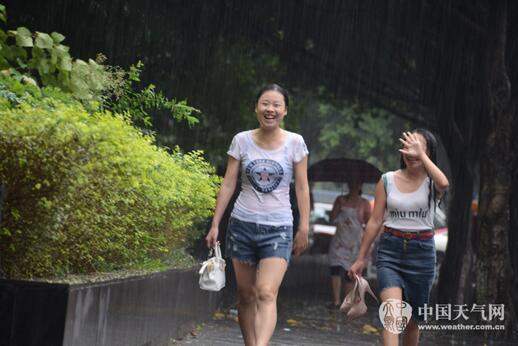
(264, 175)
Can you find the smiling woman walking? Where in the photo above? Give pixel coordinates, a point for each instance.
(405, 202)
(260, 232)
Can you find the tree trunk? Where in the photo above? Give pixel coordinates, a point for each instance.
(513, 201)
(494, 272)
(513, 234)
(456, 267)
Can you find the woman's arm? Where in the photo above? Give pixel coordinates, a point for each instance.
(441, 183)
(335, 211)
(366, 211)
(371, 230)
(228, 186)
(302, 192)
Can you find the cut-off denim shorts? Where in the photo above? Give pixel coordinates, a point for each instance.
(408, 264)
(250, 242)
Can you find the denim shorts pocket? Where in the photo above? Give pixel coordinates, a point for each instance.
(388, 241)
(232, 221)
(382, 241)
(426, 244)
(283, 228)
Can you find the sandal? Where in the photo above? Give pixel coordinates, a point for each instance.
(354, 303)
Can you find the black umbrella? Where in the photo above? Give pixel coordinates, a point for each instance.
(344, 170)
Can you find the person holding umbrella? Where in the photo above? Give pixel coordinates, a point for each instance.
(405, 202)
(350, 213)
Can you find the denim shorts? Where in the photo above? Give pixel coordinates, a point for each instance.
(408, 264)
(250, 242)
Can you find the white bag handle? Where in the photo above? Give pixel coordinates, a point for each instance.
(203, 266)
(217, 251)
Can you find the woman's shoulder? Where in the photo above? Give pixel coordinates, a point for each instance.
(241, 137)
(242, 134)
(340, 198)
(294, 136)
(388, 176)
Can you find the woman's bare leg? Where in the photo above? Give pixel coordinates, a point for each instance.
(247, 306)
(391, 339)
(269, 277)
(336, 285)
(411, 333)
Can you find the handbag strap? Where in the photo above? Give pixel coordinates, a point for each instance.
(204, 265)
(217, 250)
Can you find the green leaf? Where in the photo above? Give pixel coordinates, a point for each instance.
(15, 52)
(57, 37)
(54, 55)
(3, 13)
(43, 66)
(21, 63)
(23, 37)
(65, 64)
(3, 63)
(61, 50)
(43, 40)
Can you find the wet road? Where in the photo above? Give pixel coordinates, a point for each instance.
(303, 319)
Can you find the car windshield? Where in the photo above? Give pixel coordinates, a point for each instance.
(320, 213)
(439, 220)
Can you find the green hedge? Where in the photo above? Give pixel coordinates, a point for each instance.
(89, 192)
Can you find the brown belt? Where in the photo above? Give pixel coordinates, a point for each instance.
(428, 234)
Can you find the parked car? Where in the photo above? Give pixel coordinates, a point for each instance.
(320, 228)
(441, 236)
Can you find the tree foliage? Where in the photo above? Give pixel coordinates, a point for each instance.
(345, 129)
(42, 59)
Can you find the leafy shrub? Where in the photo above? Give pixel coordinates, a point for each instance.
(89, 192)
(122, 97)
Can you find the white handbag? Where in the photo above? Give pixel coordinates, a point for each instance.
(212, 271)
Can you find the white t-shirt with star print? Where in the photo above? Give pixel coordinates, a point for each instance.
(265, 178)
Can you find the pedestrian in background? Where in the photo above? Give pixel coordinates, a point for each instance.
(350, 213)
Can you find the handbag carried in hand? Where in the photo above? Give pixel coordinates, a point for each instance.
(212, 271)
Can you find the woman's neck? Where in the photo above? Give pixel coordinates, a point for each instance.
(414, 173)
(268, 134)
(355, 193)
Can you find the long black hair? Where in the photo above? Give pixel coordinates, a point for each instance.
(431, 151)
(274, 87)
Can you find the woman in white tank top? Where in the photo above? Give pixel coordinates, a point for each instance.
(405, 201)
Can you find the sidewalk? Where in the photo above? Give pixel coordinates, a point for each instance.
(303, 320)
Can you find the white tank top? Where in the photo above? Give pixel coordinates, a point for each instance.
(408, 211)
